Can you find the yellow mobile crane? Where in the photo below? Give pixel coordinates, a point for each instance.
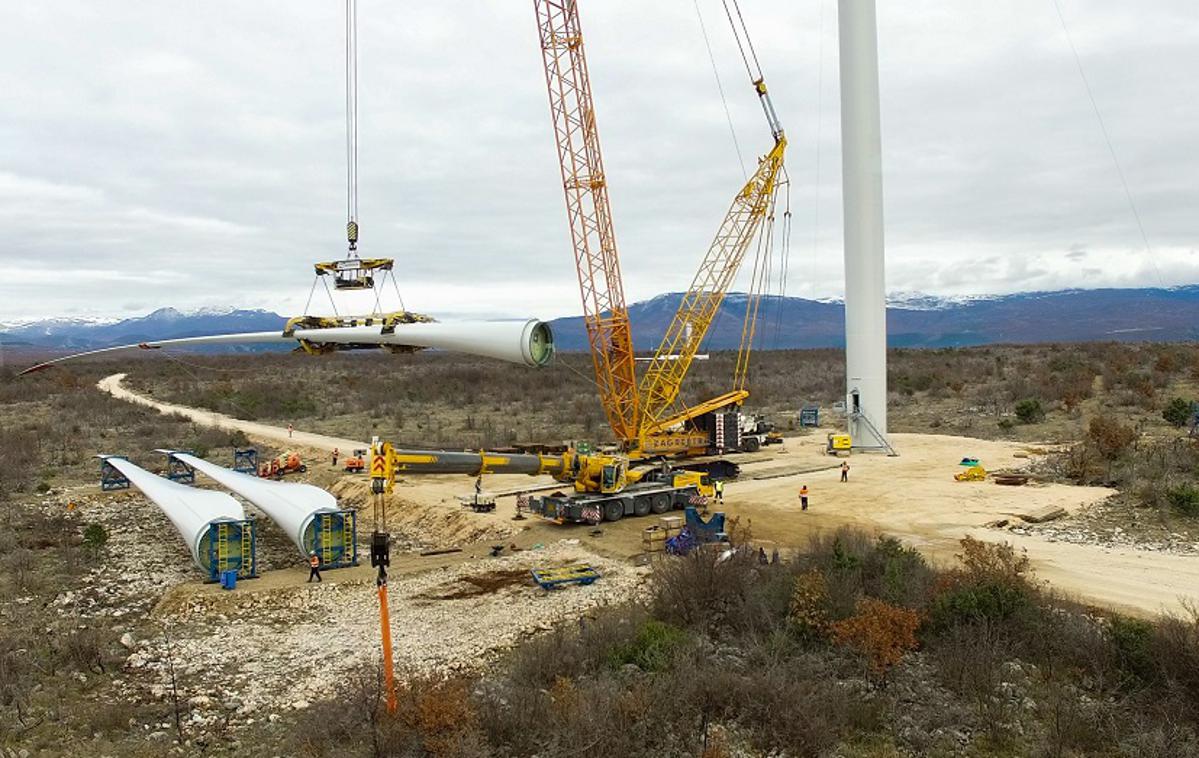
(603, 487)
(645, 416)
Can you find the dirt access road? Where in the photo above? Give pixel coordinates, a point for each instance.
(913, 497)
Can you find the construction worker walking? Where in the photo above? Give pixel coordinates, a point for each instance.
(803, 497)
(336, 452)
(845, 471)
(314, 567)
(719, 487)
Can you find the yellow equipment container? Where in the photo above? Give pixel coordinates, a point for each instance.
(972, 474)
(839, 443)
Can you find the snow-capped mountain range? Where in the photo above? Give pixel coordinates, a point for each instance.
(914, 320)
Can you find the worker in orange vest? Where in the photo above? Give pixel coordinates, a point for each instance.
(314, 563)
(803, 497)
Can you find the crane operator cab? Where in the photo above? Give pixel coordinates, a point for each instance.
(610, 477)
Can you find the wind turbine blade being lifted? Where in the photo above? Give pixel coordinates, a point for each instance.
(530, 342)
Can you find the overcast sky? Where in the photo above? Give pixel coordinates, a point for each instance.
(192, 154)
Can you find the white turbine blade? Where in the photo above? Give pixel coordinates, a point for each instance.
(530, 342)
(291, 505)
(189, 509)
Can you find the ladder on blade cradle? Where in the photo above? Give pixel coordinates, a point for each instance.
(326, 538)
(222, 548)
(247, 567)
(891, 451)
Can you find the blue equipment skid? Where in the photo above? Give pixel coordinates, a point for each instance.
(555, 577)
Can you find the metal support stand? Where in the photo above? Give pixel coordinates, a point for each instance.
(884, 443)
(246, 461)
(110, 478)
(178, 471)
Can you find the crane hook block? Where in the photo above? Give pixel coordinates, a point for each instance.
(380, 549)
(352, 233)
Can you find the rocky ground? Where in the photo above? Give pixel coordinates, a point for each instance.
(1114, 523)
(253, 654)
(232, 663)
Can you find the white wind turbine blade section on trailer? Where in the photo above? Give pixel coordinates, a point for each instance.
(189, 509)
(291, 505)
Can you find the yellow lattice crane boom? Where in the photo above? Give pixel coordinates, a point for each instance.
(589, 213)
(663, 379)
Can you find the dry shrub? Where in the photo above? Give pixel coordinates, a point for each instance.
(434, 717)
(1110, 437)
(809, 601)
(702, 589)
(84, 649)
(17, 567)
(855, 563)
(576, 649)
(881, 632)
(109, 717)
(1175, 649)
(438, 711)
(795, 706)
(988, 562)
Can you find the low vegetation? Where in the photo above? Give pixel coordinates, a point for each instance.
(53, 424)
(52, 668)
(856, 646)
(1032, 392)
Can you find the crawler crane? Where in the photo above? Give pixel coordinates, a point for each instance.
(645, 415)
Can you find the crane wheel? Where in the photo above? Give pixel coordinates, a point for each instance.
(641, 506)
(660, 503)
(613, 510)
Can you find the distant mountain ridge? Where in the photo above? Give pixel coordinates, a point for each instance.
(913, 320)
(164, 323)
(917, 320)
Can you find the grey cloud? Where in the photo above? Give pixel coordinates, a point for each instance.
(192, 154)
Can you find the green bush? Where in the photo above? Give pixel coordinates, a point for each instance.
(1132, 642)
(897, 574)
(95, 536)
(652, 649)
(843, 560)
(990, 601)
(1179, 412)
(1030, 411)
(1184, 499)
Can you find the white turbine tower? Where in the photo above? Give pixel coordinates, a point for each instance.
(862, 198)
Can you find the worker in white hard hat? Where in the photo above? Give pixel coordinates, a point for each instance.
(314, 566)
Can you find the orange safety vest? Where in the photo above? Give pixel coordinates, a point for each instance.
(314, 561)
(803, 491)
